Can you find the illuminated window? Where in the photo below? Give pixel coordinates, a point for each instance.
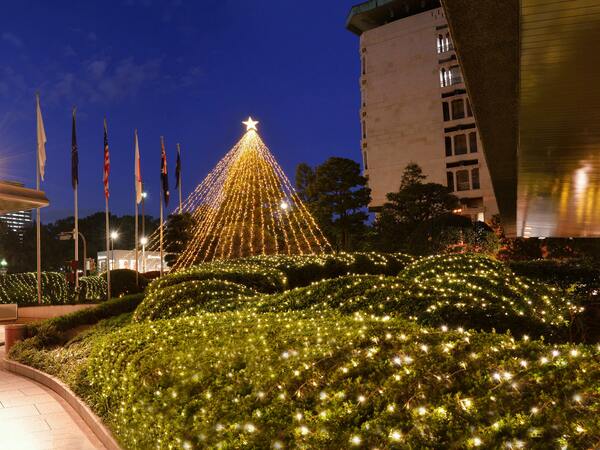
(443, 78)
(458, 109)
(475, 178)
(440, 44)
(460, 144)
(473, 142)
(462, 180)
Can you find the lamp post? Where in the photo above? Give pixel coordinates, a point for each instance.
(144, 241)
(113, 237)
(144, 195)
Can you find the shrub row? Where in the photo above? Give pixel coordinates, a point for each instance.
(562, 272)
(21, 288)
(313, 379)
(454, 290)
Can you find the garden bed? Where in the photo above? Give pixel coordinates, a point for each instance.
(226, 355)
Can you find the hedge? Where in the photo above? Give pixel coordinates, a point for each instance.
(21, 288)
(317, 380)
(124, 282)
(562, 272)
(191, 297)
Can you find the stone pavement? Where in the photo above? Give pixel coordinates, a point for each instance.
(33, 417)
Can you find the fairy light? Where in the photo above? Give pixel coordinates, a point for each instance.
(246, 206)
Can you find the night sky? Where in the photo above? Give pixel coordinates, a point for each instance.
(188, 70)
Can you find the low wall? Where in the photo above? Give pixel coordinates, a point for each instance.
(49, 311)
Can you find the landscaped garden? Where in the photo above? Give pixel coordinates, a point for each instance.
(337, 351)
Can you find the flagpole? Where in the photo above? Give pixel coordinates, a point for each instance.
(76, 238)
(76, 232)
(38, 234)
(161, 238)
(37, 212)
(107, 251)
(179, 180)
(135, 200)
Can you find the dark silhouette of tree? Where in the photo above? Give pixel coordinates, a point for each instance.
(337, 195)
(178, 233)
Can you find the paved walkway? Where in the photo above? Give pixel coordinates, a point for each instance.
(33, 417)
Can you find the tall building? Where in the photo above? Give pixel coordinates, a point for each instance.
(415, 106)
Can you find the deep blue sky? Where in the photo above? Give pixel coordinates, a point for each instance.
(186, 69)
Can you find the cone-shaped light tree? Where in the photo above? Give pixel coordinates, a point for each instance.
(246, 206)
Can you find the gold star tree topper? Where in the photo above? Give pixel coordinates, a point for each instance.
(251, 124)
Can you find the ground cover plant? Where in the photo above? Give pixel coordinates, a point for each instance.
(385, 360)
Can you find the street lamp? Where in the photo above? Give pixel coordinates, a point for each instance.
(113, 237)
(144, 195)
(144, 241)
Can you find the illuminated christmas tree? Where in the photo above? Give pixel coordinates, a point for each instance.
(246, 206)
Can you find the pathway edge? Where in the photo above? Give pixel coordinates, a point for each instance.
(92, 420)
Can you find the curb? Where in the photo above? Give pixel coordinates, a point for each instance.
(98, 428)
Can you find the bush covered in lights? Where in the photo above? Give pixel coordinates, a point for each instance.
(239, 360)
(318, 380)
(191, 297)
(21, 288)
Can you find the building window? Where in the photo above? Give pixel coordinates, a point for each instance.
(365, 160)
(440, 44)
(454, 76)
(443, 78)
(475, 178)
(462, 180)
(448, 42)
(460, 144)
(450, 180)
(469, 110)
(364, 128)
(446, 111)
(448, 146)
(458, 109)
(364, 65)
(473, 142)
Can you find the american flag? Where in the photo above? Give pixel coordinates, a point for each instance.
(163, 171)
(106, 161)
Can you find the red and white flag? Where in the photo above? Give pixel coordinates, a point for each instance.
(106, 162)
(138, 171)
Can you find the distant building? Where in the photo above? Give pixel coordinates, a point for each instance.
(125, 259)
(415, 106)
(17, 221)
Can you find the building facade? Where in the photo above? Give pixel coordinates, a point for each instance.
(125, 259)
(414, 105)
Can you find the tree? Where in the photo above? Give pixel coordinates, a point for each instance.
(413, 174)
(178, 233)
(414, 204)
(337, 195)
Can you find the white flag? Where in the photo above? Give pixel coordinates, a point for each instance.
(138, 171)
(41, 140)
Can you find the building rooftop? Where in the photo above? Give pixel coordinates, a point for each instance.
(374, 13)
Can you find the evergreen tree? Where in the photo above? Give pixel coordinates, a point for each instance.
(178, 233)
(338, 196)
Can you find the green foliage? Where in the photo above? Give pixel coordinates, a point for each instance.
(415, 205)
(255, 276)
(21, 289)
(561, 272)
(123, 282)
(191, 297)
(318, 380)
(365, 361)
(178, 233)
(337, 195)
(92, 289)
